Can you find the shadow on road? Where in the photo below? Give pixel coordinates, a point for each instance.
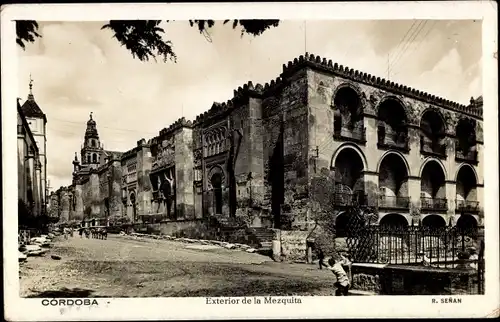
(252, 288)
(64, 292)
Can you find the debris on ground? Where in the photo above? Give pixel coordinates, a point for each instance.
(22, 257)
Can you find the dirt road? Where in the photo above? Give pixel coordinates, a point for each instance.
(120, 267)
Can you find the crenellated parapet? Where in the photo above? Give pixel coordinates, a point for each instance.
(180, 123)
(240, 97)
(312, 61)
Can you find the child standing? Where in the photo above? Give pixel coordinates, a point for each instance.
(335, 264)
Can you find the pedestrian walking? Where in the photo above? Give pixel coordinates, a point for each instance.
(336, 264)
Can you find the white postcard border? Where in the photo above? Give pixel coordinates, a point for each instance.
(19, 309)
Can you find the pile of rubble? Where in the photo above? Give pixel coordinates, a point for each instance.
(36, 246)
(221, 244)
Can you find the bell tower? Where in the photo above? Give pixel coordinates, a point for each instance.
(37, 122)
(92, 149)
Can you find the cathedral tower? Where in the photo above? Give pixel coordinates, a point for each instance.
(92, 149)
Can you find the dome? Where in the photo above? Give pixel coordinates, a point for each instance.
(91, 128)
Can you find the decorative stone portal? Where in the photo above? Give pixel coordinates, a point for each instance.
(216, 181)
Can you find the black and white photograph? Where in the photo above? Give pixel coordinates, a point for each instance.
(251, 161)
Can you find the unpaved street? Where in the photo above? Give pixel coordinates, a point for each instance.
(122, 267)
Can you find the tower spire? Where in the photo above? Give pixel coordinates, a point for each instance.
(30, 95)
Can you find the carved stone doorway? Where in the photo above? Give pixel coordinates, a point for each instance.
(216, 181)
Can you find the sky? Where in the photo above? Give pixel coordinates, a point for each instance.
(77, 68)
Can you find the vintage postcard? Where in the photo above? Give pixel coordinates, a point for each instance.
(250, 160)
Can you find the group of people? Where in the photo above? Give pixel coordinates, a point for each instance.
(99, 233)
(68, 232)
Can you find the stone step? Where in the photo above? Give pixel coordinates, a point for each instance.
(264, 236)
(266, 245)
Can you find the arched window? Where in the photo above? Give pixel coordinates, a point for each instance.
(94, 158)
(217, 144)
(392, 129)
(433, 131)
(89, 159)
(92, 142)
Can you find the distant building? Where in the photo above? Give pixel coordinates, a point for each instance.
(37, 122)
(29, 169)
(249, 162)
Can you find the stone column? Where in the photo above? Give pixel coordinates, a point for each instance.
(414, 157)
(256, 150)
(64, 206)
(414, 194)
(71, 194)
(115, 194)
(184, 176)
(451, 195)
(144, 194)
(370, 124)
(94, 195)
(371, 187)
(78, 214)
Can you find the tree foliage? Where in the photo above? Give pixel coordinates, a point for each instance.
(144, 38)
(26, 31)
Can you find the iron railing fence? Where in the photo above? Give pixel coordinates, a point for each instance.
(470, 156)
(429, 147)
(393, 139)
(350, 198)
(467, 206)
(436, 204)
(394, 202)
(443, 247)
(357, 133)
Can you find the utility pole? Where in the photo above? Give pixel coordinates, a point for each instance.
(388, 66)
(305, 36)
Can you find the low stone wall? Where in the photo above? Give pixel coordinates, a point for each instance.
(387, 279)
(199, 242)
(367, 277)
(293, 245)
(181, 228)
(188, 228)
